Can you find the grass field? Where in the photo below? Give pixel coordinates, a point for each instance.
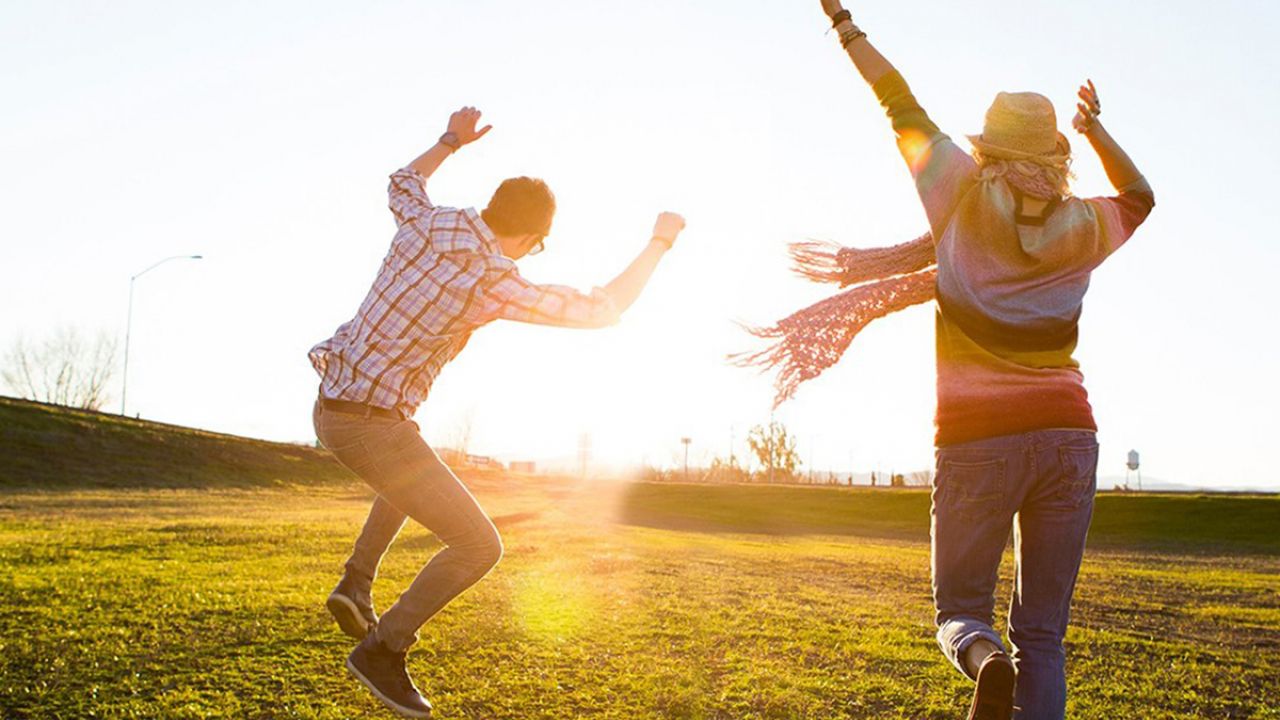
(148, 571)
(612, 601)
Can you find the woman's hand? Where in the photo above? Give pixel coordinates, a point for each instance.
(1120, 169)
(1087, 110)
(462, 124)
(831, 7)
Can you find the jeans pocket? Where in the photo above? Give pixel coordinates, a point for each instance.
(1079, 478)
(355, 456)
(972, 487)
(391, 443)
(347, 440)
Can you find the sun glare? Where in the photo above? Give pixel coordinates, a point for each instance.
(551, 603)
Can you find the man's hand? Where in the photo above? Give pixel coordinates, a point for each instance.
(1088, 109)
(831, 7)
(625, 288)
(461, 131)
(667, 227)
(462, 124)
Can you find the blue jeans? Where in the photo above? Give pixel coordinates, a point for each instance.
(1042, 484)
(391, 456)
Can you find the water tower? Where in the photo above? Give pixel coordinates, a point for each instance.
(1131, 466)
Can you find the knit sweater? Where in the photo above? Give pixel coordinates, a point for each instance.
(1010, 285)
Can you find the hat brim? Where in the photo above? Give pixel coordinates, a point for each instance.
(1062, 152)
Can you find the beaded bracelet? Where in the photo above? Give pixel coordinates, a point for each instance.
(848, 36)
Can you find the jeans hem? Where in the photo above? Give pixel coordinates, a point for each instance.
(956, 649)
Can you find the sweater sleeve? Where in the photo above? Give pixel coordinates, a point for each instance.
(1118, 217)
(941, 170)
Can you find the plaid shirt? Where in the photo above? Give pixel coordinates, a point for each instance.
(444, 276)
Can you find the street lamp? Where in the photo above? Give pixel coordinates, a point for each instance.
(685, 441)
(128, 328)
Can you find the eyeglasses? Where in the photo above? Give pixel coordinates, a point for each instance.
(537, 246)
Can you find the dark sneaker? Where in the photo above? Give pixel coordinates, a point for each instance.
(993, 694)
(352, 608)
(383, 672)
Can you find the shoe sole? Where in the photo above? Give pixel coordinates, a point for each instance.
(993, 693)
(393, 705)
(348, 616)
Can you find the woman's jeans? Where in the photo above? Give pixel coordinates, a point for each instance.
(1042, 483)
(391, 456)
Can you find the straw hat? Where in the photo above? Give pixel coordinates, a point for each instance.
(1022, 126)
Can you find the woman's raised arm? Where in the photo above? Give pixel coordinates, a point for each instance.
(870, 63)
(1120, 168)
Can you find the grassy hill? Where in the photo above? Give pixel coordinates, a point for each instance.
(51, 446)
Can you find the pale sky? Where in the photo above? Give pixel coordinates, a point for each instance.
(261, 134)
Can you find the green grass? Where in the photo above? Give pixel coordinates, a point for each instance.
(189, 603)
(149, 571)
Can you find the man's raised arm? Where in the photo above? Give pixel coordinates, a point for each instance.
(407, 193)
(461, 131)
(515, 298)
(626, 287)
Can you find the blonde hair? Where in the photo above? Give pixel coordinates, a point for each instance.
(1048, 178)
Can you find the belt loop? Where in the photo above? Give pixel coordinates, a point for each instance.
(368, 411)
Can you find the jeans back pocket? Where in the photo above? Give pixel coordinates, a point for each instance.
(972, 487)
(1079, 479)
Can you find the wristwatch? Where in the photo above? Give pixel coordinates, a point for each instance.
(450, 140)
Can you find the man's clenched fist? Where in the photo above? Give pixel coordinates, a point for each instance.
(667, 227)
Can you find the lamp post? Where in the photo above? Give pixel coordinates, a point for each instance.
(685, 441)
(128, 328)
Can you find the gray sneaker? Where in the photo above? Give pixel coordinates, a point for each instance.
(993, 693)
(352, 607)
(384, 673)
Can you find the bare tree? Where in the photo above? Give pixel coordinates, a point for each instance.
(64, 369)
(462, 431)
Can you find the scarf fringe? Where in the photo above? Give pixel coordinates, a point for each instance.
(812, 339)
(823, 261)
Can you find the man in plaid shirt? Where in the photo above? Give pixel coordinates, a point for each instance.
(448, 272)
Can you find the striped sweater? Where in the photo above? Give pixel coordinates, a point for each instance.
(1010, 287)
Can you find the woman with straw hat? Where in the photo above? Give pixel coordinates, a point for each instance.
(1008, 259)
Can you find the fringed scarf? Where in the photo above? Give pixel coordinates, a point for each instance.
(885, 280)
(812, 339)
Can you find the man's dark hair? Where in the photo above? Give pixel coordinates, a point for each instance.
(520, 205)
